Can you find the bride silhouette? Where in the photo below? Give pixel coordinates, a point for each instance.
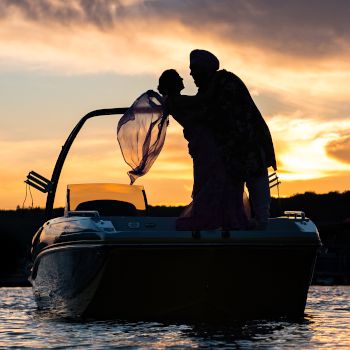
(218, 200)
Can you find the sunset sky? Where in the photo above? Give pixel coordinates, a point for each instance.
(61, 59)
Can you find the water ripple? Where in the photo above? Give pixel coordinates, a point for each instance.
(325, 325)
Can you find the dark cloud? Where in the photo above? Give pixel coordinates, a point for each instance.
(340, 149)
(299, 27)
(314, 28)
(102, 13)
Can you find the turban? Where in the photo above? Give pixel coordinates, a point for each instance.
(205, 60)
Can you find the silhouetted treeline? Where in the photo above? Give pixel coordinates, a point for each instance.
(321, 208)
(331, 207)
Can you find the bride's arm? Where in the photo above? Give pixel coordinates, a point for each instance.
(186, 108)
(185, 101)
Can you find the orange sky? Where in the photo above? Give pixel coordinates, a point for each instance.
(60, 60)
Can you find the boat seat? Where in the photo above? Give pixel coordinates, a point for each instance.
(109, 207)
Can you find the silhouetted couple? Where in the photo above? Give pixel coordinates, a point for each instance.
(230, 145)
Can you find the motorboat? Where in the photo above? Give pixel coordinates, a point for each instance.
(106, 258)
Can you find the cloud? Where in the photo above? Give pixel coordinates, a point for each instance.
(314, 28)
(301, 145)
(73, 37)
(293, 52)
(292, 30)
(340, 149)
(102, 12)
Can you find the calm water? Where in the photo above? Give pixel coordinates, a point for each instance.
(326, 325)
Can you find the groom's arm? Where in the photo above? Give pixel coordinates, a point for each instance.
(186, 108)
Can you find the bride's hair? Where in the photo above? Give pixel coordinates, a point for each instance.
(170, 82)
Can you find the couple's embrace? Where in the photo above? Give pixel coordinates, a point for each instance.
(228, 140)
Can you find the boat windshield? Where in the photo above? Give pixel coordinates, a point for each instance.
(113, 199)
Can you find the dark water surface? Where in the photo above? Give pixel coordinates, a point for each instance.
(326, 325)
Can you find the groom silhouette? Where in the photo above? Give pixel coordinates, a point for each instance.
(240, 131)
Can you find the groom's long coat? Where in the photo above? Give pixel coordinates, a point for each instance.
(241, 132)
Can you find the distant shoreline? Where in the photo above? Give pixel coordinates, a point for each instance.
(330, 207)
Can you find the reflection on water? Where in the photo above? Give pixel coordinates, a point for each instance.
(326, 325)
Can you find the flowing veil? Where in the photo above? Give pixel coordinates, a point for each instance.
(141, 133)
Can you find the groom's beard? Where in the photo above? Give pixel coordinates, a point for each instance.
(203, 86)
(202, 80)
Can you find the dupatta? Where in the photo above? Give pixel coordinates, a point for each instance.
(141, 133)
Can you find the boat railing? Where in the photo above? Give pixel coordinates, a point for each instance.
(50, 186)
